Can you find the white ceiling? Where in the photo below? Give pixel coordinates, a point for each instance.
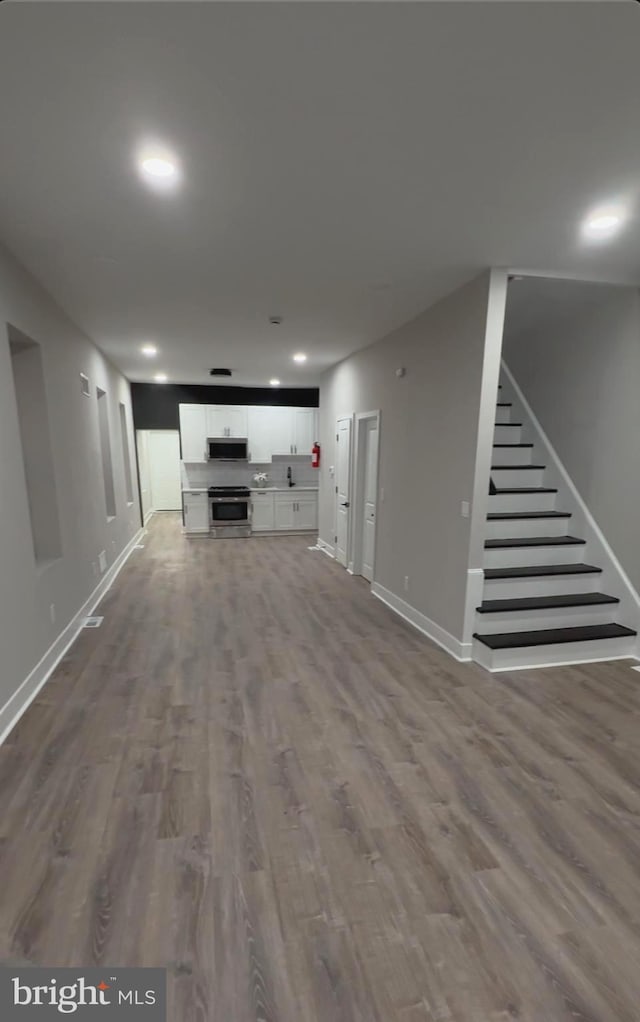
(344, 165)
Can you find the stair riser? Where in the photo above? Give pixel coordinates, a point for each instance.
(512, 455)
(561, 617)
(507, 435)
(503, 414)
(515, 588)
(524, 527)
(521, 502)
(562, 653)
(512, 558)
(508, 477)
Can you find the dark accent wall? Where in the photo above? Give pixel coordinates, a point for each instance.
(155, 405)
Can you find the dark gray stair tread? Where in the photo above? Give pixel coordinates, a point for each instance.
(508, 424)
(515, 468)
(520, 515)
(505, 404)
(545, 602)
(553, 636)
(525, 489)
(540, 570)
(512, 445)
(518, 541)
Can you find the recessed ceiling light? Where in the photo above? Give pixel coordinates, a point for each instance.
(604, 222)
(149, 350)
(159, 168)
(299, 357)
(274, 383)
(160, 377)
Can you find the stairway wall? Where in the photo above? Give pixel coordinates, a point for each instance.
(577, 363)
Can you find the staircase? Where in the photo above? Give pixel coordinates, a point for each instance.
(543, 602)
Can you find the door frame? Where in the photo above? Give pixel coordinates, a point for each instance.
(354, 561)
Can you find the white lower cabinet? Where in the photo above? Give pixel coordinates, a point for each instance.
(284, 512)
(279, 512)
(306, 511)
(196, 512)
(262, 512)
(299, 512)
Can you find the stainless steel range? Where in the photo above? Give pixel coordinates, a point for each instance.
(230, 511)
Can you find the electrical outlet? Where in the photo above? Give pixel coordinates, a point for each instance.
(406, 583)
(52, 613)
(464, 509)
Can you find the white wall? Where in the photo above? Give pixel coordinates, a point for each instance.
(574, 349)
(27, 591)
(429, 443)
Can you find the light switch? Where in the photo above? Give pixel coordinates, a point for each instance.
(464, 509)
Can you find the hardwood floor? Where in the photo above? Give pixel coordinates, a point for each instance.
(258, 776)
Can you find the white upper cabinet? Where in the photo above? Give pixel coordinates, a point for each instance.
(305, 432)
(226, 420)
(270, 429)
(270, 432)
(193, 432)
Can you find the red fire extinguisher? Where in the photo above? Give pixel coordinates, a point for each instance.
(315, 455)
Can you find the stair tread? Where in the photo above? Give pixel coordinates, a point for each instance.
(537, 570)
(512, 445)
(524, 490)
(515, 468)
(554, 636)
(515, 516)
(546, 602)
(518, 541)
(504, 404)
(508, 425)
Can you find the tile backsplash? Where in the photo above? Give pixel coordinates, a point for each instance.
(241, 474)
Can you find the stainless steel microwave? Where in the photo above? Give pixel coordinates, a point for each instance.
(227, 448)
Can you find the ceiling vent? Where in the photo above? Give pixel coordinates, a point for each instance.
(219, 372)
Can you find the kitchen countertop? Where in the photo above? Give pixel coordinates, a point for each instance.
(259, 489)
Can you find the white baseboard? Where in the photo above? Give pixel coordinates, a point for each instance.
(459, 650)
(475, 586)
(149, 515)
(326, 548)
(26, 692)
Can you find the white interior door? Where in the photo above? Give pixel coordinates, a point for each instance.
(163, 449)
(370, 491)
(343, 489)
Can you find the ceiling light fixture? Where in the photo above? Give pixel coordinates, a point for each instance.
(274, 383)
(159, 168)
(160, 377)
(149, 350)
(299, 357)
(603, 223)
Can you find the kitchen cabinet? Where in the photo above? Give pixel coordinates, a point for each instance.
(270, 432)
(297, 511)
(262, 511)
(226, 420)
(305, 512)
(305, 430)
(270, 429)
(196, 512)
(193, 432)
